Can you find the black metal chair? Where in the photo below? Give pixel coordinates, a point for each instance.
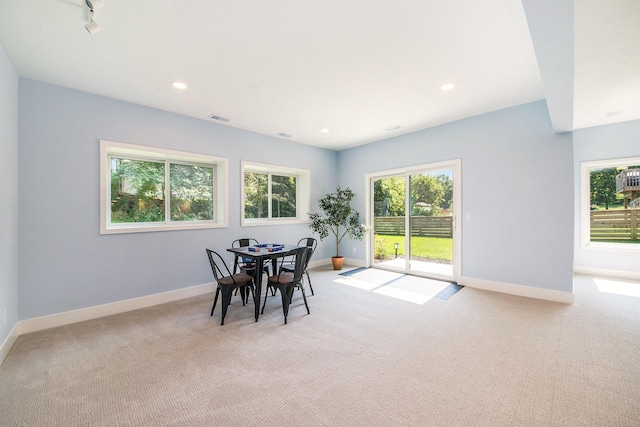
(227, 284)
(286, 282)
(246, 264)
(289, 265)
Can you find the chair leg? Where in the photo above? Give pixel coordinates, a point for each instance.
(226, 300)
(309, 280)
(250, 288)
(304, 296)
(287, 293)
(215, 300)
(266, 294)
(243, 294)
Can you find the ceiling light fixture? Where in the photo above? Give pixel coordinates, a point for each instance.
(324, 130)
(93, 27)
(179, 85)
(447, 86)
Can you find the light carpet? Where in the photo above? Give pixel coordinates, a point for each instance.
(360, 358)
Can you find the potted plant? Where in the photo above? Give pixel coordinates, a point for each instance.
(339, 219)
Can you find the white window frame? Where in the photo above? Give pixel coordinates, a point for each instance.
(220, 167)
(585, 205)
(303, 193)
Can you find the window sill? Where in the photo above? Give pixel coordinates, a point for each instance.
(138, 228)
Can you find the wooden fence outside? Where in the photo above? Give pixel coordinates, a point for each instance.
(615, 225)
(426, 226)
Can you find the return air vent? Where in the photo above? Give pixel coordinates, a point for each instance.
(390, 128)
(284, 135)
(218, 118)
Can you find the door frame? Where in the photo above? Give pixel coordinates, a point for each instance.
(456, 166)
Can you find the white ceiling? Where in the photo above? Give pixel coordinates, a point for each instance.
(354, 67)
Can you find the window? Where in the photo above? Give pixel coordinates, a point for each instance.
(610, 203)
(151, 189)
(274, 194)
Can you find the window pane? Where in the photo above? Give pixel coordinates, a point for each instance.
(137, 191)
(191, 192)
(283, 196)
(256, 195)
(615, 204)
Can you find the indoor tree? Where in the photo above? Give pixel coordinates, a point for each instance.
(338, 218)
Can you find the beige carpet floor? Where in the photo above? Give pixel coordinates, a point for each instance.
(362, 358)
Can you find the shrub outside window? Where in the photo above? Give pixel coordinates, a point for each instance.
(150, 189)
(274, 194)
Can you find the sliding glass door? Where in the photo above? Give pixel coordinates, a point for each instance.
(413, 214)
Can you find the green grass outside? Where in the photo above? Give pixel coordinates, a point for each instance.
(435, 248)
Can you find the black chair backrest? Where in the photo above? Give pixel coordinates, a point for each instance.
(241, 243)
(309, 242)
(216, 260)
(301, 257)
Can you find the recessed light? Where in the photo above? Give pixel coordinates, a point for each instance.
(447, 86)
(324, 130)
(179, 85)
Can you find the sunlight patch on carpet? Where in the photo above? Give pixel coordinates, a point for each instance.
(620, 287)
(417, 290)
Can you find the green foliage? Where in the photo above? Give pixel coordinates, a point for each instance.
(283, 196)
(430, 194)
(256, 195)
(138, 187)
(191, 192)
(603, 186)
(137, 191)
(428, 190)
(256, 192)
(447, 187)
(388, 194)
(339, 218)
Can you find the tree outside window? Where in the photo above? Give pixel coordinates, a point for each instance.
(283, 196)
(274, 194)
(146, 188)
(256, 195)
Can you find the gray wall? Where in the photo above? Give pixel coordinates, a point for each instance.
(65, 264)
(8, 195)
(517, 181)
(602, 143)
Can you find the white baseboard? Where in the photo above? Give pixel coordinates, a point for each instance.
(319, 263)
(74, 316)
(8, 343)
(604, 272)
(354, 262)
(327, 261)
(519, 290)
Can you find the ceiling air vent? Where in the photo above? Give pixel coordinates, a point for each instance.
(218, 118)
(390, 128)
(284, 135)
